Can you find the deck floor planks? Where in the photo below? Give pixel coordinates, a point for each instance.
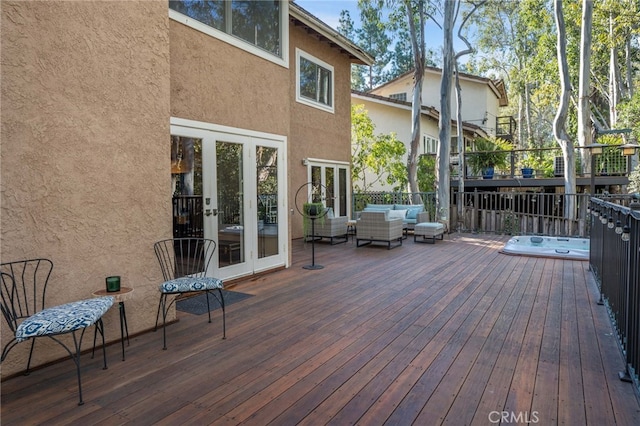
(571, 408)
(444, 332)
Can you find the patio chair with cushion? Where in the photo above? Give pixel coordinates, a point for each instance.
(334, 228)
(376, 226)
(184, 263)
(24, 286)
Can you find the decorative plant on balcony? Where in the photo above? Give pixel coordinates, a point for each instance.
(312, 210)
(489, 154)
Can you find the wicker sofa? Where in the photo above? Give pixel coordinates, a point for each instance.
(410, 213)
(376, 226)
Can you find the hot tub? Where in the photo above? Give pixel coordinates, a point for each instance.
(559, 247)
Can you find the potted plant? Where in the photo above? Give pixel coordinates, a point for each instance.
(312, 211)
(527, 166)
(488, 155)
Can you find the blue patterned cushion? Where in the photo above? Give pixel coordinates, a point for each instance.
(64, 318)
(185, 284)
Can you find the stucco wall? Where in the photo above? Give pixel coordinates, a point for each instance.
(85, 151)
(316, 133)
(215, 82)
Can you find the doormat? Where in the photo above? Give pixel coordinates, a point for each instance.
(197, 305)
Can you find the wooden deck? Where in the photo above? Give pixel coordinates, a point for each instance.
(451, 333)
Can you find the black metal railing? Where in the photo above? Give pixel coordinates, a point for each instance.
(549, 163)
(614, 259)
(187, 216)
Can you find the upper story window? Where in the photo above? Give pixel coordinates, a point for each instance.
(255, 26)
(398, 96)
(314, 81)
(429, 144)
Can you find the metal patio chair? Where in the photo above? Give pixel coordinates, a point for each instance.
(184, 263)
(24, 286)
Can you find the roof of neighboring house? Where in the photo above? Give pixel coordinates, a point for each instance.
(426, 110)
(496, 85)
(301, 18)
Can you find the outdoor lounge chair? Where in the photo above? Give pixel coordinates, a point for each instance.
(375, 226)
(24, 286)
(334, 228)
(184, 263)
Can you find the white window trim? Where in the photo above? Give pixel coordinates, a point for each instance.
(238, 42)
(426, 138)
(336, 166)
(329, 108)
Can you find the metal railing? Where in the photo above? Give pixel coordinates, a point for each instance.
(614, 260)
(549, 163)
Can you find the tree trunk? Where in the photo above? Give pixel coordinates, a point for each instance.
(419, 52)
(444, 146)
(584, 105)
(559, 122)
(614, 77)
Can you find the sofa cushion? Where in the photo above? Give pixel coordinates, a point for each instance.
(394, 214)
(408, 206)
(377, 207)
(412, 213)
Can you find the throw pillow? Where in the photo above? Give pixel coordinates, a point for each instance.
(393, 214)
(413, 213)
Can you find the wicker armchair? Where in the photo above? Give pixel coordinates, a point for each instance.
(334, 228)
(375, 226)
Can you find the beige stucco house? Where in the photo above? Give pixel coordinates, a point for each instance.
(124, 123)
(389, 107)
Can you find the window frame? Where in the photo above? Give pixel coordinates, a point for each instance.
(239, 42)
(318, 62)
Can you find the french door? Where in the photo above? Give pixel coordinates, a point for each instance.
(242, 198)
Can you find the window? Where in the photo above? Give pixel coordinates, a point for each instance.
(255, 26)
(314, 81)
(429, 144)
(398, 96)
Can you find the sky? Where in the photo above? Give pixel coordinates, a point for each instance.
(328, 11)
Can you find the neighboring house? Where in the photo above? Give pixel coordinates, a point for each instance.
(389, 108)
(128, 122)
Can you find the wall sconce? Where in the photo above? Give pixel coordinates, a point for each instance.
(618, 227)
(305, 161)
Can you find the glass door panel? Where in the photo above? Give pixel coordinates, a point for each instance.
(267, 200)
(230, 202)
(186, 181)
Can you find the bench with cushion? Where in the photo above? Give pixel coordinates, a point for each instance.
(429, 231)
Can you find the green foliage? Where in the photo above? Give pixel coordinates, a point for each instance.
(489, 153)
(312, 210)
(511, 225)
(629, 114)
(379, 155)
(634, 182)
(427, 173)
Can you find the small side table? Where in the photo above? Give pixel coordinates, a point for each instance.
(351, 228)
(123, 294)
